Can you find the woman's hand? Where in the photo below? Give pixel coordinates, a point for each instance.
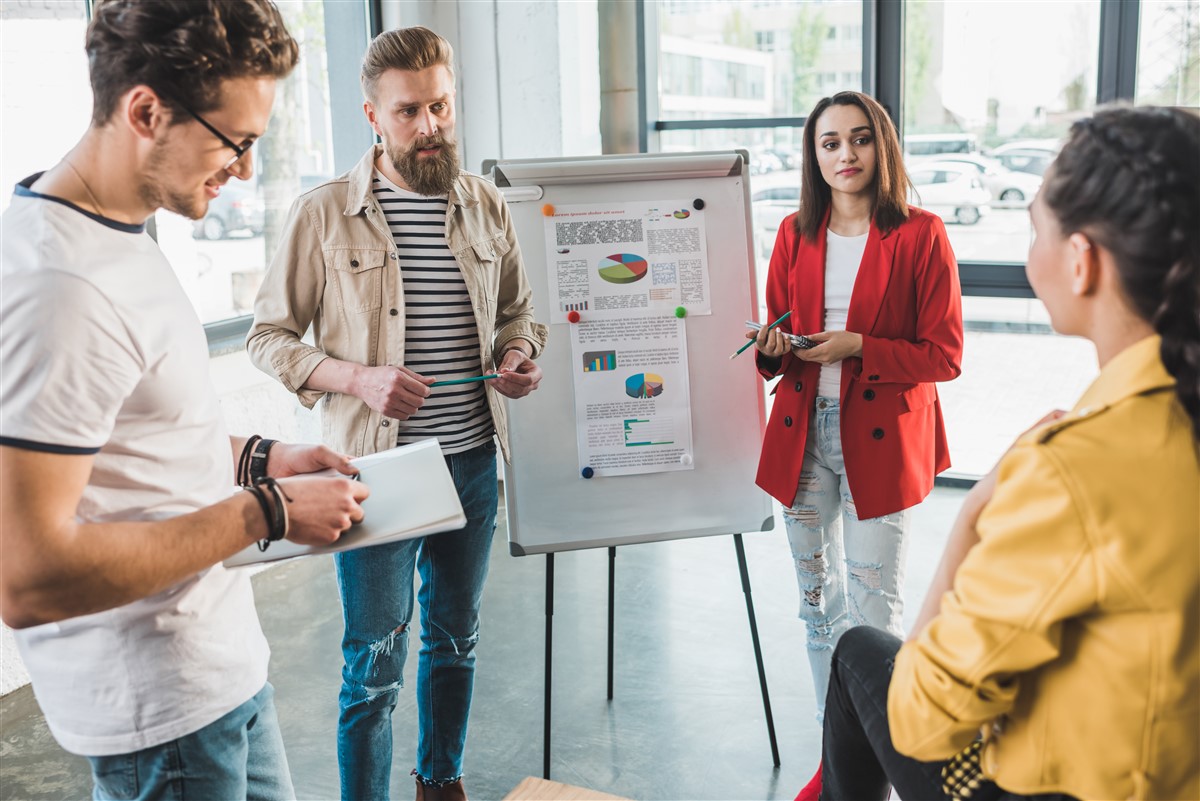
(835, 346)
(770, 342)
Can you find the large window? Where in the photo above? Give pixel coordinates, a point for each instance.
(47, 99)
(220, 259)
(1168, 71)
(983, 117)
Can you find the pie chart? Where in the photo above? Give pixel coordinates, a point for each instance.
(623, 268)
(644, 385)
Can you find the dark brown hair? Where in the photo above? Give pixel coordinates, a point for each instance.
(891, 183)
(410, 49)
(183, 50)
(1129, 180)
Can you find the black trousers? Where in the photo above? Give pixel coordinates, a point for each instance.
(858, 762)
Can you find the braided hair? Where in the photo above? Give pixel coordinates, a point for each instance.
(1129, 178)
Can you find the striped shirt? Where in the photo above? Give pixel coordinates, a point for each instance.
(440, 335)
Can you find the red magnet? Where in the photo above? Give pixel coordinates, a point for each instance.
(573, 316)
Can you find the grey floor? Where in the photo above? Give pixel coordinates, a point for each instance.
(686, 721)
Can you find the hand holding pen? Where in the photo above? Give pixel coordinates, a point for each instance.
(767, 338)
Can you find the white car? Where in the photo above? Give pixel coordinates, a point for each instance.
(1008, 188)
(772, 198)
(950, 190)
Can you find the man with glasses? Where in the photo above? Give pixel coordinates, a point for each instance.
(116, 473)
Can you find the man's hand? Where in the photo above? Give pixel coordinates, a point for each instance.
(285, 460)
(394, 392)
(320, 509)
(835, 346)
(519, 374)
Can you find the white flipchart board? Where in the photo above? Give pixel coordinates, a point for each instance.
(551, 507)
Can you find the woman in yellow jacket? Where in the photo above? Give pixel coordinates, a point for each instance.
(1059, 648)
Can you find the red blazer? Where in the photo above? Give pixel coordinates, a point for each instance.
(907, 305)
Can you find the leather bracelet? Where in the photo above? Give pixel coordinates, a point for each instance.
(243, 466)
(260, 495)
(257, 468)
(281, 524)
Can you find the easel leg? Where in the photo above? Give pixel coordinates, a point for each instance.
(762, 674)
(549, 642)
(612, 572)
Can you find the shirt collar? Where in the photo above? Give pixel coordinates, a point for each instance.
(1134, 371)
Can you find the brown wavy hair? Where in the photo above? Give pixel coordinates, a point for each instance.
(183, 50)
(1127, 179)
(891, 182)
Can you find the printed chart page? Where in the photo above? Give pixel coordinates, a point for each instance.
(618, 260)
(632, 399)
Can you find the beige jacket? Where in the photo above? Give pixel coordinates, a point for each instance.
(1073, 628)
(335, 269)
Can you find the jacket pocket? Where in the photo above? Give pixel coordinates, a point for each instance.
(359, 278)
(491, 250)
(918, 397)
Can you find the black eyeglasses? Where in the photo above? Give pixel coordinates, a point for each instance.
(238, 150)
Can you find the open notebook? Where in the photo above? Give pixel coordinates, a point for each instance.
(412, 494)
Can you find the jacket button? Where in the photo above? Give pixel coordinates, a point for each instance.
(394, 312)
(354, 262)
(872, 378)
(877, 433)
(386, 423)
(869, 394)
(394, 256)
(787, 421)
(799, 386)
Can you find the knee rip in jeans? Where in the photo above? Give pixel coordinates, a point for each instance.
(867, 575)
(383, 648)
(385, 645)
(461, 646)
(813, 567)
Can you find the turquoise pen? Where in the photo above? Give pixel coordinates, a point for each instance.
(750, 342)
(464, 380)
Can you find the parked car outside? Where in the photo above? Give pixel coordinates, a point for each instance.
(950, 190)
(237, 208)
(1008, 188)
(773, 197)
(1032, 162)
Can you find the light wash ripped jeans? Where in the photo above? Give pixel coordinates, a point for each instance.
(850, 571)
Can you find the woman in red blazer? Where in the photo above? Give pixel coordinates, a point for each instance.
(856, 435)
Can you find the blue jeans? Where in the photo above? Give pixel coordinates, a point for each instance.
(238, 756)
(377, 602)
(850, 571)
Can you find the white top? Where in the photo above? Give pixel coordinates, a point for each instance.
(843, 255)
(103, 354)
(441, 338)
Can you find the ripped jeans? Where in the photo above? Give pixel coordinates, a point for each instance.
(377, 601)
(850, 571)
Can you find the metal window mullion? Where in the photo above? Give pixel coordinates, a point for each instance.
(647, 55)
(1117, 75)
(888, 24)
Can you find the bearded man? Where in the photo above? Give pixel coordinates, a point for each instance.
(408, 271)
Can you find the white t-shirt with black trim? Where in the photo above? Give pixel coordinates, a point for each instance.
(441, 338)
(103, 354)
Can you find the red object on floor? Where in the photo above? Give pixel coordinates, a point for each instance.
(812, 790)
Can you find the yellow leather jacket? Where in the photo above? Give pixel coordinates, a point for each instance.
(335, 269)
(1072, 633)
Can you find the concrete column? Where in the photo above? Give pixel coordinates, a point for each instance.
(619, 114)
